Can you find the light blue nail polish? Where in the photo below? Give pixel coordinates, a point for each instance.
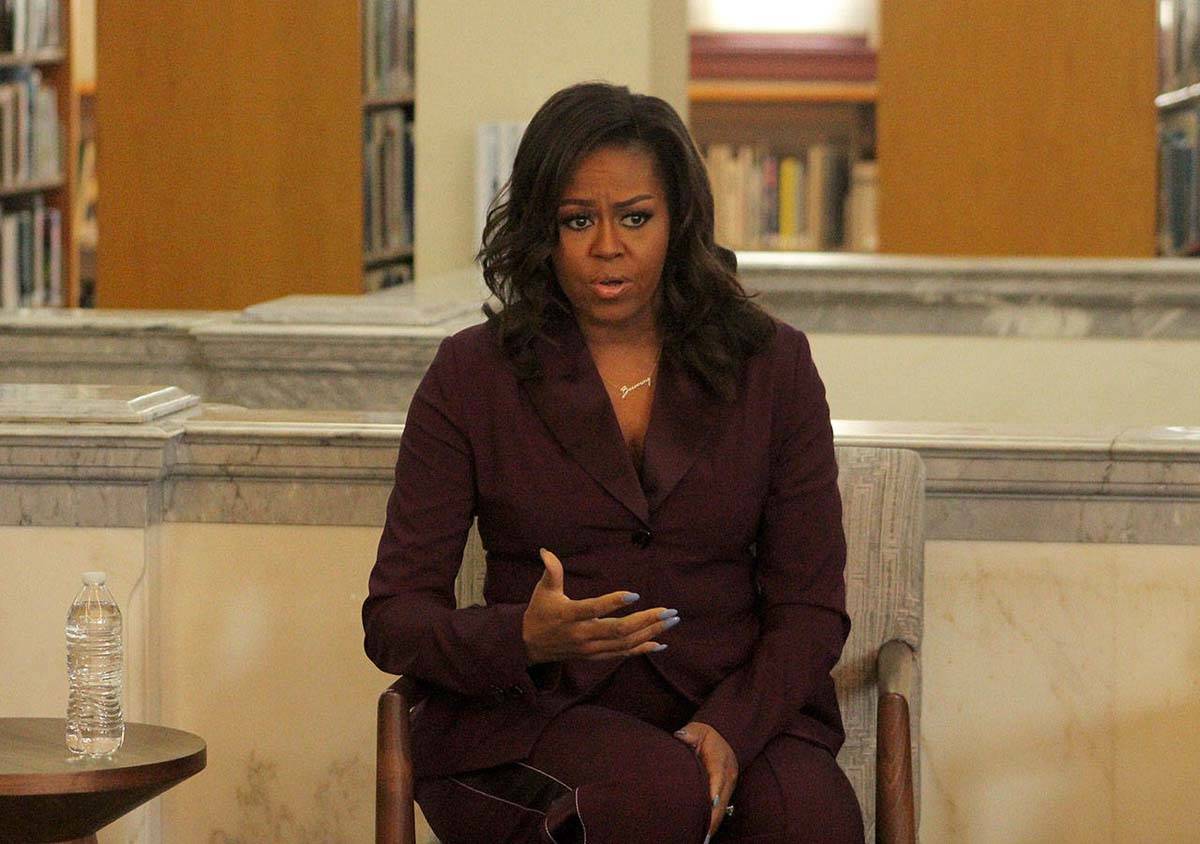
(716, 799)
(659, 647)
(671, 622)
(665, 614)
(706, 838)
(630, 597)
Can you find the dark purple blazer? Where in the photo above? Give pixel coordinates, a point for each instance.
(736, 522)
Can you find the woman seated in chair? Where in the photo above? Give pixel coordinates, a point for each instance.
(650, 462)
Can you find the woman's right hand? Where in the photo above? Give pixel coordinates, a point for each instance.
(556, 628)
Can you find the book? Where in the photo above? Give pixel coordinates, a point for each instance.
(792, 211)
(45, 140)
(496, 146)
(826, 193)
(861, 226)
(52, 258)
(10, 282)
(8, 134)
(37, 247)
(1179, 168)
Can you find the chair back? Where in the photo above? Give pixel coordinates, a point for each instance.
(883, 512)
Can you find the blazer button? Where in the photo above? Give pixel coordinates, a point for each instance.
(641, 538)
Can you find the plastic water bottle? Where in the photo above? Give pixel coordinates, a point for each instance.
(95, 657)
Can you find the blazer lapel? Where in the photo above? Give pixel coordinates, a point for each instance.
(682, 421)
(571, 401)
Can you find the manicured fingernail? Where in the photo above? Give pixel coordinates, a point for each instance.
(716, 799)
(681, 733)
(659, 647)
(671, 622)
(665, 614)
(706, 838)
(630, 597)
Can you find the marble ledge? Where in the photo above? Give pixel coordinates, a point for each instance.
(229, 464)
(1018, 297)
(113, 403)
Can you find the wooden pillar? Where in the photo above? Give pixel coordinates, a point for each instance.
(229, 152)
(1017, 127)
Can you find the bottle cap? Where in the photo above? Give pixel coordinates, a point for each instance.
(95, 578)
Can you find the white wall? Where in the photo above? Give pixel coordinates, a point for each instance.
(40, 568)
(498, 61)
(842, 17)
(1046, 382)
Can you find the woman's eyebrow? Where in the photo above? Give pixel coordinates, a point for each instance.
(587, 203)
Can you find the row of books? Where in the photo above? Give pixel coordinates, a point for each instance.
(31, 267)
(386, 276)
(1179, 43)
(387, 47)
(29, 25)
(495, 150)
(1178, 186)
(815, 200)
(387, 181)
(29, 130)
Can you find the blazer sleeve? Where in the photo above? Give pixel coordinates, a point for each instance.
(409, 617)
(801, 558)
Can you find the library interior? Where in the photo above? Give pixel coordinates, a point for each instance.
(234, 237)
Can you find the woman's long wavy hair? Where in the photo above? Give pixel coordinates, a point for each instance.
(708, 323)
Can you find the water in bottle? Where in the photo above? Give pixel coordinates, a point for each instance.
(95, 722)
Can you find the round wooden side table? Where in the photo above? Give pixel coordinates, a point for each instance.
(48, 793)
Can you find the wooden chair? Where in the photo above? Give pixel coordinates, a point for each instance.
(878, 678)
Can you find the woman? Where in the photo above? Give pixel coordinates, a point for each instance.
(650, 461)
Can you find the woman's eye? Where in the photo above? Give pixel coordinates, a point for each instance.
(636, 219)
(577, 223)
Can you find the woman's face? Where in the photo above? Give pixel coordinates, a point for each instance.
(613, 230)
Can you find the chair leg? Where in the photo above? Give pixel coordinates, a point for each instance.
(394, 820)
(895, 817)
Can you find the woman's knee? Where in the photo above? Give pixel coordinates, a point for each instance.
(661, 797)
(794, 791)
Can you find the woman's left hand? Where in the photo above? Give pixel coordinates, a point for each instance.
(719, 761)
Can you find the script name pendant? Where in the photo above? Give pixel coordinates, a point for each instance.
(625, 391)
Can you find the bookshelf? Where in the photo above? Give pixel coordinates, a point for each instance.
(787, 126)
(38, 267)
(388, 113)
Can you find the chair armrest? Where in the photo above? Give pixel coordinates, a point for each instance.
(897, 668)
(895, 815)
(394, 819)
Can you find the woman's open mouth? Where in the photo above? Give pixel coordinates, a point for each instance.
(609, 288)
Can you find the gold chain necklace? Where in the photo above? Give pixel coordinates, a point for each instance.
(627, 389)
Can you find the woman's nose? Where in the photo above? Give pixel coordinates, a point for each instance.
(607, 243)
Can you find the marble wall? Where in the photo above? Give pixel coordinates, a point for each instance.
(1062, 692)
(1061, 687)
(262, 655)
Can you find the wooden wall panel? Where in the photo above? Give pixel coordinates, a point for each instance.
(1017, 127)
(229, 151)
